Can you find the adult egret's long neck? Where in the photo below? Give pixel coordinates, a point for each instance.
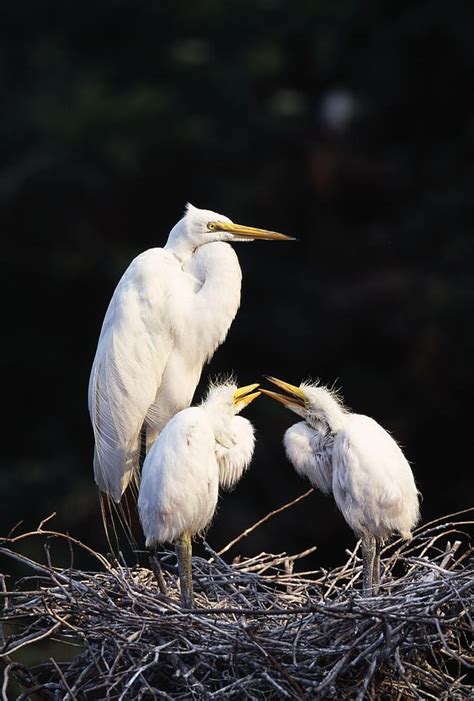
(216, 266)
(179, 243)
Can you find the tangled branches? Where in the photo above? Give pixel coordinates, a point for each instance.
(260, 631)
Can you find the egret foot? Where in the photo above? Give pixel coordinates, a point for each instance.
(184, 555)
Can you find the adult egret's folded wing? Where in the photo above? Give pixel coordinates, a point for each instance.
(133, 349)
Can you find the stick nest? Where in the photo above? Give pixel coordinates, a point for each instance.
(260, 630)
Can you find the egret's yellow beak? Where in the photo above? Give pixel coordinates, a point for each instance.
(241, 396)
(295, 397)
(247, 232)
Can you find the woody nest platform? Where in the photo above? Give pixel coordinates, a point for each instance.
(260, 630)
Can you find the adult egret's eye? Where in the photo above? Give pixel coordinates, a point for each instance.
(211, 226)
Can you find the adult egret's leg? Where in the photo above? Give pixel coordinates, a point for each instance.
(184, 554)
(155, 566)
(376, 568)
(142, 446)
(368, 555)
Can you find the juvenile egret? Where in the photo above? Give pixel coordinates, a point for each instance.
(200, 449)
(170, 311)
(355, 459)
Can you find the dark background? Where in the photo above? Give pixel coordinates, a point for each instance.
(347, 124)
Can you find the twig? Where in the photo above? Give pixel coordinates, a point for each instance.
(6, 679)
(63, 679)
(258, 523)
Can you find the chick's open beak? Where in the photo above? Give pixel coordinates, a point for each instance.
(242, 397)
(294, 398)
(248, 232)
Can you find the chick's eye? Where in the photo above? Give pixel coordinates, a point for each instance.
(211, 226)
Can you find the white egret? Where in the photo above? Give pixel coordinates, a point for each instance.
(352, 457)
(200, 449)
(170, 311)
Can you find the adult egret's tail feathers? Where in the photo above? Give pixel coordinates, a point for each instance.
(114, 479)
(118, 521)
(104, 501)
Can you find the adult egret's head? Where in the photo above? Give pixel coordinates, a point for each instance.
(315, 403)
(201, 226)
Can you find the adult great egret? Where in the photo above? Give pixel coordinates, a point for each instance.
(199, 450)
(355, 459)
(170, 311)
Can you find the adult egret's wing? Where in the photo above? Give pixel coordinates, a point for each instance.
(133, 349)
(235, 458)
(179, 483)
(310, 452)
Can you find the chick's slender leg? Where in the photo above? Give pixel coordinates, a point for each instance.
(368, 556)
(184, 555)
(376, 568)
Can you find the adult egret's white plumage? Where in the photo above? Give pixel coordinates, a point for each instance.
(200, 449)
(352, 457)
(170, 311)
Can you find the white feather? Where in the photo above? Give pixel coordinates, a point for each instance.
(310, 452)
(355, 459)
(235, 458)
(170, 311)
(373, 483)
(180, 479)
(188, 462)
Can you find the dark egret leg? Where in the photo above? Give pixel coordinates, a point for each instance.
(368, 556)
(184, 554)
(376, 569)
(142, 448)
(155, 566)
